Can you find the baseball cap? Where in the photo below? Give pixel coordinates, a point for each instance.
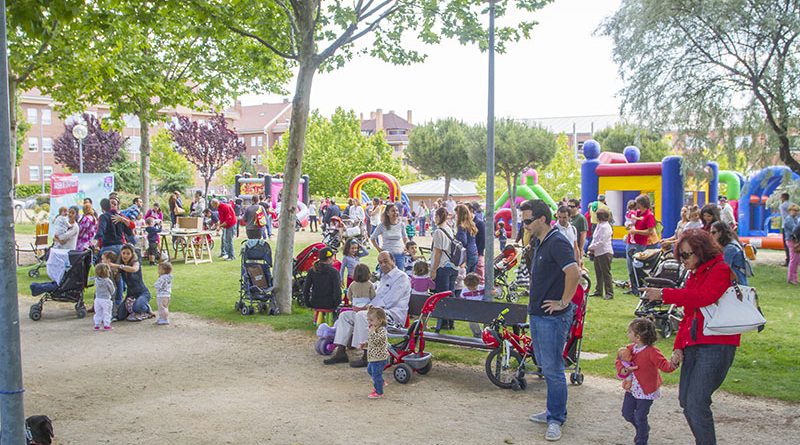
(325, 253)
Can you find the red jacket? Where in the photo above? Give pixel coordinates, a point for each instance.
(227, 217)
(649, 360)
(703, 287)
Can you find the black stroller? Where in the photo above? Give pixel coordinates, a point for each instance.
(69, 289)
(657, 268)
(255, 283)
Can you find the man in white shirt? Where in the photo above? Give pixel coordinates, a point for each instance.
(568, 230)
(352, 328)
(726, 212)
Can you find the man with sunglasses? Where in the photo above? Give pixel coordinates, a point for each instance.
(554, 279)
(578, 221)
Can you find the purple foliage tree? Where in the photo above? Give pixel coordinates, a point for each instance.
(208, 146)
(100, 147)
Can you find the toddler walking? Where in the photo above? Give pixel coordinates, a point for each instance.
(641, 369)
(104, 291)
(361, 291)
(377, 349)
(163, 292)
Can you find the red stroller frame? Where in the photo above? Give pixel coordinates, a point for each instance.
(301, 264)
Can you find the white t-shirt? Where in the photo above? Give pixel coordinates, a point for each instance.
(357, 212)
(693, 225)
(376, 218)
(442, 242)
(393, 237)
(569, 231)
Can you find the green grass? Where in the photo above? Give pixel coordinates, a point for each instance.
(25, 229)
(763, 367)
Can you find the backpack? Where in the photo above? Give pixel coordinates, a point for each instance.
(748, 253)
(457, 253)
(261, 218)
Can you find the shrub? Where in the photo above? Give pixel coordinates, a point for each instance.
(23, 191)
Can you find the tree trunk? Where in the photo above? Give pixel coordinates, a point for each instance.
(785, 153)
(511, 198)
(291, 178)
(446, 187)
(12, 114)
(207, 181)
(144, 155)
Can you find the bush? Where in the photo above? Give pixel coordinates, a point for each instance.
(23, 191)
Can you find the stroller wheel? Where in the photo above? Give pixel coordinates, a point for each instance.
(245, 310)
(33, 273)
(274, 311)
(262, 307)
(666, 328)
(576, 378)
(80, 310)
(35, 312)
(317, 346)
(402, 373)
(326, 346)
(425, 369)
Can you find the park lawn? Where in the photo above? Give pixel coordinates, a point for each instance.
(764, 364)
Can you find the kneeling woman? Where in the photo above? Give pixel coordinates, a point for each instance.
(136, 306)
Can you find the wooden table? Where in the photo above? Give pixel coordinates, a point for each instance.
(192, 245)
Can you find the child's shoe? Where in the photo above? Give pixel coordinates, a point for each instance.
(374, 395)
(96, 327)
(108, 328)
(162, 322)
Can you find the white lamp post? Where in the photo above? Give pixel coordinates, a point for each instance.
(80, 132)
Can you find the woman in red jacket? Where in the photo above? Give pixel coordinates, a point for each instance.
(706, 358)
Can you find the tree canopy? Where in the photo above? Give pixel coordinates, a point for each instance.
(336, 151)
(710, 66)
(562, 177)
(169, 168)
(652, 145)
(100, 147)
(442, 149)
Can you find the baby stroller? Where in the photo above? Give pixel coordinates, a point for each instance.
(506, 261)
(657, 268)
(255, 284)
(301, 264)
(69, 289)
(523, 279)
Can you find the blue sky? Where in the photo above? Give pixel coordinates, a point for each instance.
(561, 71)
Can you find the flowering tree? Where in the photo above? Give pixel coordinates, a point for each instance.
(100, 147)
(208, 146)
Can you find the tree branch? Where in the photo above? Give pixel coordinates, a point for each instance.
(260, 40)
(349, 35)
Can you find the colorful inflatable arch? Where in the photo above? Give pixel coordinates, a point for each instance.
(755, 217)
(395, 193)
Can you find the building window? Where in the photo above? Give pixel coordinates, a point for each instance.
(258, 159)
(253, 159)
(47, 145)
(241, 139)
(32, 115)
(33, 144)
(47, 171)
(33, 173)
(397, 132)
(260, 141)
(253, 141)
(47, 117)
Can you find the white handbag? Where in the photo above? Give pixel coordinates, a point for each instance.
(734, 313)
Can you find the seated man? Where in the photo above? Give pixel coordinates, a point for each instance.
(392, 295)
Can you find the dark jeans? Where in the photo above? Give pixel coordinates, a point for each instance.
(602, 271)
(142, 304)
(421, 221)
(375, 370)
(313, 224)
(633, 249)
(472, 262)
(703, 371)
(785, 245)
(549, 336)
(445, 280)
(635, 411)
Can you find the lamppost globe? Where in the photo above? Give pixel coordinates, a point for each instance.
(80, 132)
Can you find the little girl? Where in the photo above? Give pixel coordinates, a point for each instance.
(421, 281)
(361, 291)
(352, 257)
(104, 291)
(163, 292)
(694, 219)
(377, 349)
(645, 380)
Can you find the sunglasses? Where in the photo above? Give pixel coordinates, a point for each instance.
(571, 206)
(685, 255)
(528, 221)
(714, 232)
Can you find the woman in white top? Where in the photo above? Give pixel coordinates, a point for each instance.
(357, 212)
(443, 272)
(66, 234)
(393, 235)
(603, 253)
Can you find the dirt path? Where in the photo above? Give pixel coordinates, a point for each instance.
(201, 382)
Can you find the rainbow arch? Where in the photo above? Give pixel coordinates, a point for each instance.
(394, 185)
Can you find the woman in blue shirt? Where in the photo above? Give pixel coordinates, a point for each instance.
(732, 251)
(466, 232)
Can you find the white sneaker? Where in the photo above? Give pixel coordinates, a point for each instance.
(553, 432)
(223, 257)
(538, 417)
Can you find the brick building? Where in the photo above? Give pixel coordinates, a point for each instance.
(395, 128)
(261, 126)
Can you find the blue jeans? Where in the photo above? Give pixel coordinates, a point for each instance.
(472, 262)
(421, 220)
(142, 304)
(227, 241)
(549, 335)
(635, 411)
(399, 260)
(703, 371)
(633, 249)
(375, 370)
(445, 280)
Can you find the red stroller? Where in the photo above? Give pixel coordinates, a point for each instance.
(504, 262)
(301, 264)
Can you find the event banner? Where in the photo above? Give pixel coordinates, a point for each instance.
(68, 190)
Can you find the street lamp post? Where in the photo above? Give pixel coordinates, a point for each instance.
(80, 132)
(489, 214)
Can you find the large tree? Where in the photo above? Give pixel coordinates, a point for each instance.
(100, 147)
(170, 169)
(441, 149)
(156, 56)
(209, 146)
(517, 147)
(562, 177)
(315, 36)
(704, 66)
(336, 151)
(652, 145)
